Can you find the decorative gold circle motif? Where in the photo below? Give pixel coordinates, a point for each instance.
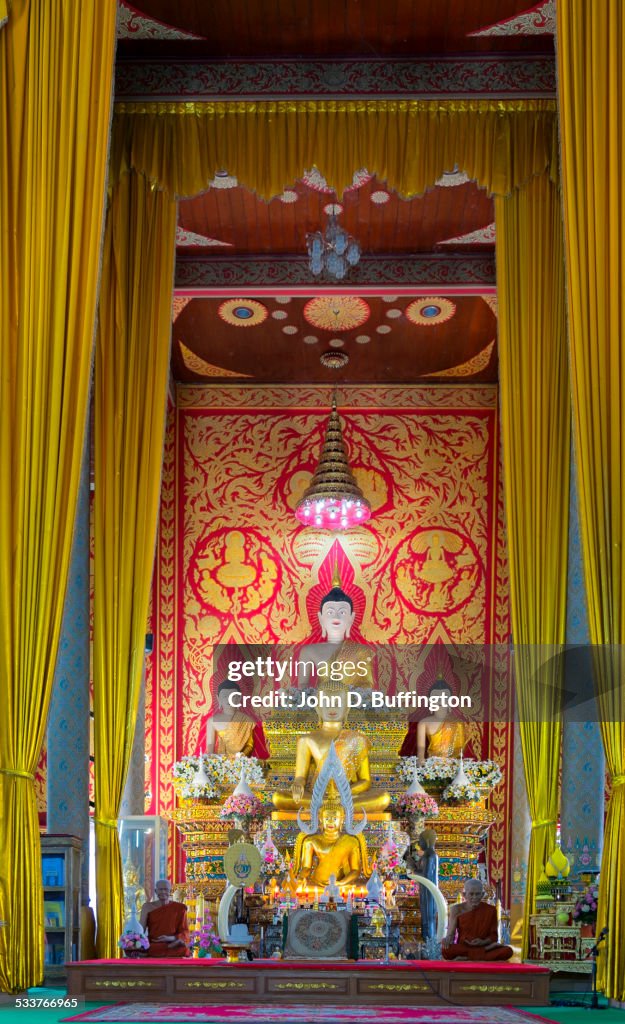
(337, 312)
(242, 864)
(243, 312)
(430, 312)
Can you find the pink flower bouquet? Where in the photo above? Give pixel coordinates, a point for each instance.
(242, 807)
(585, 909)
(417, 805)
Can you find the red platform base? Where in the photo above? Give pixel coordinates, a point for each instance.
(408, 983)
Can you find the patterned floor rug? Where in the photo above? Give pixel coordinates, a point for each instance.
(153, 1013)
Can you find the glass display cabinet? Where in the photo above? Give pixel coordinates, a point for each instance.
(143, 844)
(61, 858)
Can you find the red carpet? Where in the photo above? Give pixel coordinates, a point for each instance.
(298, 1014)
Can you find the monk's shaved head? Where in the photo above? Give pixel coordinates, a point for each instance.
(473, 891)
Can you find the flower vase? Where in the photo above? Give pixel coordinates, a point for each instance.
(135, 954)
(240, 823)
(587, 931)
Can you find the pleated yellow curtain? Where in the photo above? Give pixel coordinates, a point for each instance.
(591, 83)
(535, 418)
(4, 12)
(268, 145)
(131, 380)
(56, 67)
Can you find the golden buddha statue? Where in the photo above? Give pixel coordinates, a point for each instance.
(352, 748)
(437, 737)
(331, 854)
(336, 618)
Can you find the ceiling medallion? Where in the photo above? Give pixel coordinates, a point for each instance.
(333, 500)
(288, 196)
(334, 360)
(243, 312)
(430, 312)
(337, 313)
(380, 197)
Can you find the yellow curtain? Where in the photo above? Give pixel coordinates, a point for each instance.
(591, 82)
(56, 66)
(535, 417)
(131, 379)
(4, 12)
(268, 145)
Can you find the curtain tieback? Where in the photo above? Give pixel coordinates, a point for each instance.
(106, 822)
(17, 773)
(543, 822)
(617, 780)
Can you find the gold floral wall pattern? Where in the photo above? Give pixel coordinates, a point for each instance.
(428, 567)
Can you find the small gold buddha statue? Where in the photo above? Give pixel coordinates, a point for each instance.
(352, 748)
(331, 854)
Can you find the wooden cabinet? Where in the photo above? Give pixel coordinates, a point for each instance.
(61, 858)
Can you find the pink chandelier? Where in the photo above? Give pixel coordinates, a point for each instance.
(333, 501)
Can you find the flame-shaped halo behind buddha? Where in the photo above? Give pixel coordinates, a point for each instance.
(332, 771)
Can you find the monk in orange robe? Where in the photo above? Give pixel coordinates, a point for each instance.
(166, 923)
(472, 929)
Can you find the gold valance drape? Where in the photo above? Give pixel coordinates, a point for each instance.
(56, 67)
(591, 79)
(535, 425)
(268, 145)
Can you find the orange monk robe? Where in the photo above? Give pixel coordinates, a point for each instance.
(168, 920)
(480, 923)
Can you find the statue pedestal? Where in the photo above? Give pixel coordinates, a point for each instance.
(204, 841)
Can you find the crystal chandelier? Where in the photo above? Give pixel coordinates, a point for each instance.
(334, 499)
(332, 252)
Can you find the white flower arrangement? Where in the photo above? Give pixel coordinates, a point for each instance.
(220, 773)
(464, 792)
(482, 774)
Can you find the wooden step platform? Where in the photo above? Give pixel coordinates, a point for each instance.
(404, 983)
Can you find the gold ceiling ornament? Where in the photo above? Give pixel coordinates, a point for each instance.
(430, 311)
(334, 360)
(333, 500)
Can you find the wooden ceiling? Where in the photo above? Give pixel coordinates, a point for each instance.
(206, 348)
(334, 28)
(381, 220)
(386, 347)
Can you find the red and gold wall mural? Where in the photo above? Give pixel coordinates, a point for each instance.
(234, 565)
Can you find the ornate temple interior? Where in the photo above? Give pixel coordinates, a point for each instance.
(311, 560)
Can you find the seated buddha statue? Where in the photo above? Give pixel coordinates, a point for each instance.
(336, 618)
(231, 731)
(331, 855)
(435, 736)
(352, 748)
